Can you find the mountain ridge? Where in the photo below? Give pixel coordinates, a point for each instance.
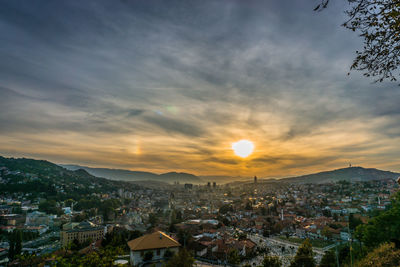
(128, 175)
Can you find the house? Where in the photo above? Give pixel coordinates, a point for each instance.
(200, 249)
(344, 235)
(157, 244)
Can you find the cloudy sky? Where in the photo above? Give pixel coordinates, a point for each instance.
(169, 85)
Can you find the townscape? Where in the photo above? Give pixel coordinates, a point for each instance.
(188, 133)
(235, 223)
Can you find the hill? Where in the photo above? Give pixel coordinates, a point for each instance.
(126, 175)
(351, 174)
(41, 177)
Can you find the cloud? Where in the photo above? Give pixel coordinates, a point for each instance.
(169, 86)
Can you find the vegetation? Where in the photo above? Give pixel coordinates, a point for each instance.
(233, 257)
(183, 259)
(101, 257)
(375, 241)
(314, 242)
(119, 238)
(46, 179)
(384, 255)
(382, 228)
(271, 261)
(378, 23)
(304, 256)
(15, 241)
(329, 259)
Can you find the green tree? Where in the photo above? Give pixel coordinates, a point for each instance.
(325, 232)
(382, 228)
(50, 207)
(11, 250)
(304, 256)
(329, 259)
(182, 259)
(233, 257)
(168, 254)
(354, 221)
(153, 219)
(18, 242)
(225, 208)
(184, 237)
(271, 261)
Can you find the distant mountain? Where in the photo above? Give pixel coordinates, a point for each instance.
(222, 179)
(350, 174)
(126, 175)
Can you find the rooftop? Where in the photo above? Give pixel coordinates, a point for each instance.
(153, 241)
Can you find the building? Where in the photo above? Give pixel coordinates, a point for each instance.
(80, 231)
(156, 243)
(37, 218)
(12, 219)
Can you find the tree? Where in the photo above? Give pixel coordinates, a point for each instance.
(328, 260)
(271, 261)
(182, 259)
(179, 216)
(50, 207)
(385, 255)
(378, 22)
(11, 250)
(304, 256)
(335, 217)
(263, 211)
(248, 206)
(225, 208)
(233, 257)
(325, 232)
(18, 241)
(107, 208)
(168, 254)
(354, 221)
(153, 219)
(184, 237)
(382, 228)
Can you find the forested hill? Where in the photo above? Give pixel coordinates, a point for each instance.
(49, 179)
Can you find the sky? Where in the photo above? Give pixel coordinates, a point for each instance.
(170, 85)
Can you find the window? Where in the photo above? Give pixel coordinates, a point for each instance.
(158, 252)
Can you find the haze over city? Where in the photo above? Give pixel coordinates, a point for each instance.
(170, 86)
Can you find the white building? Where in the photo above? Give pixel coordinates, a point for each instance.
(156, 244)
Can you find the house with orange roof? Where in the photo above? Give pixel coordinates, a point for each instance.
(157, 244)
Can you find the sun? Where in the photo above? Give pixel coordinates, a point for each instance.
(243, 148)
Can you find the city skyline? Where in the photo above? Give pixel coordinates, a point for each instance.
(170, 87)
